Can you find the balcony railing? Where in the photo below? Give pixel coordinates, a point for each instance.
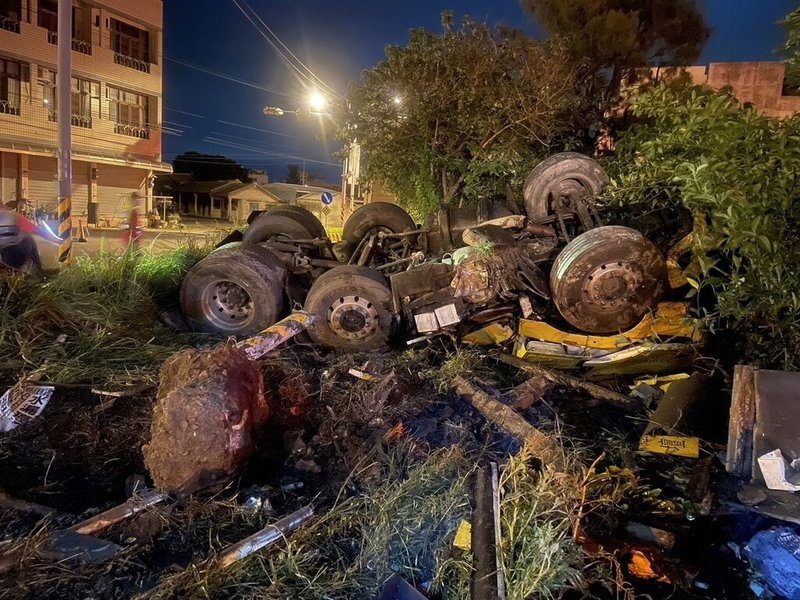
(81, 121)
(8, 108)
(131, 62)
(81, 46)
(9, 24)
(132, 130)
(52, 116)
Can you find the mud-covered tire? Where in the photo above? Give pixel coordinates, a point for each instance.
(352, 309)
(279, 225)
(607, 279)
(304, 216)
(376, 215)
(552, 172)
(237, 290)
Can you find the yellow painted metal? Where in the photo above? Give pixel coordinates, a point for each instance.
(547, 359)
(491, 335)
(671, 444)
(261, 343)
(463, 539)
(670, 320)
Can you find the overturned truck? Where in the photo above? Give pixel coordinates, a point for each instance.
(462, 270)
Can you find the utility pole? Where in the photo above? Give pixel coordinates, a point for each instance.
(64, 111)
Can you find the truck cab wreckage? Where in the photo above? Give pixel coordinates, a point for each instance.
(567, 288)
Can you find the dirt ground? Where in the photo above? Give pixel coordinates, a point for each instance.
(333, 436)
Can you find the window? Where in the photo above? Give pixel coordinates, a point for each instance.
(85, 98)
(129, 112)
(48, 15)
(10, 11)
(131, 46)
(47, 81)
(10, 81)
(83, 92)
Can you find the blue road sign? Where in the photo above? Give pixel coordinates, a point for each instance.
(327, 198)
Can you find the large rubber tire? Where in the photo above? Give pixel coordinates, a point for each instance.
(282, 224)
(352, 309)
(377, 215)
(549, 174)
(237, 290)
(607, 279)
(303, 216)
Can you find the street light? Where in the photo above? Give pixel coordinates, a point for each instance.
(316, 101)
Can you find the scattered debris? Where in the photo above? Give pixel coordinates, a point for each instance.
(777, 473)
(671, 444)
(23, 403)
(775, 555)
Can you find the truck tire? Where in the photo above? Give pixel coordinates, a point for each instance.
(303, 216)
(237, 290)
(280, 224)
(607, 279)
(351, 306)
(553, 172)
(377, 215)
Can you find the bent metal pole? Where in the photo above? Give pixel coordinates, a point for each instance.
(64, 110)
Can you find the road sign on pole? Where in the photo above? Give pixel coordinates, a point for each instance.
(327, 198)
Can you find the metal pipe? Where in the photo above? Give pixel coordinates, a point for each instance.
(106, 519)
(267, 536)
(260, 344)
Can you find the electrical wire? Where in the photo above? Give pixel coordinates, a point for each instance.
(313, 79)
(224, 76)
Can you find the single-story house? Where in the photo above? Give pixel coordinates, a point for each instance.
(229, 200)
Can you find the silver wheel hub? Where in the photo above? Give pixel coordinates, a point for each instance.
(227, 304)
(353, 317)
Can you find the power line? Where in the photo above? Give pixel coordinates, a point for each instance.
(256, 128)
(183, 112)
(228, 144)
(224, 76)
(278, 50)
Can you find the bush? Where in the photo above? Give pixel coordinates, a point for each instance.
(739, 171)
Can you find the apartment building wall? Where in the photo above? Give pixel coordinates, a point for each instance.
(113, 161)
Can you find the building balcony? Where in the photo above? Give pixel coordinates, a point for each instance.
(8, 108)
(81, 46)
(9, 24)
(77, 120)
(131, 62)
(143, 133)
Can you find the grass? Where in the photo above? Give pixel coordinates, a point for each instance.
(95, 322)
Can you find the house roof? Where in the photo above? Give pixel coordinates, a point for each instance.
(221, 188)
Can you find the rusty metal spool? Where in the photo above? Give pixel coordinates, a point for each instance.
(606, 279)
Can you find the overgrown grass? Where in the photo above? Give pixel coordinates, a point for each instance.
(95, 321)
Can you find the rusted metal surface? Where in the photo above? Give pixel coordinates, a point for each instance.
(119, 513)
(606, 279)
(260, 344)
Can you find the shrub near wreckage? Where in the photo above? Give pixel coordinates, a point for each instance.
(387, 273)
(737, 172)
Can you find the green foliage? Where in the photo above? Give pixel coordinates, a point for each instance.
(452, 117)
(791, 49)
(739, 173)
(612, 37)
(95, 321)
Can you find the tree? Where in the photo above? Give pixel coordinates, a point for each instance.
(452, 117)
(791, 49)
(612, 38)
(209, 167)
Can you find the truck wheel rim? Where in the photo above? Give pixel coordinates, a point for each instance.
(353, 317)
(227, 304)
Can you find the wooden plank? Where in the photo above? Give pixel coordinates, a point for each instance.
(739, 458)
(543, 446)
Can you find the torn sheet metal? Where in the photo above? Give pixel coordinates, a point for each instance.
(491, 335)
(778, 475)
(644, 358)
(23, 403)
(260, 344)
(670, 320)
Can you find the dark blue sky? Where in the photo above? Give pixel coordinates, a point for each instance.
(337, 40)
